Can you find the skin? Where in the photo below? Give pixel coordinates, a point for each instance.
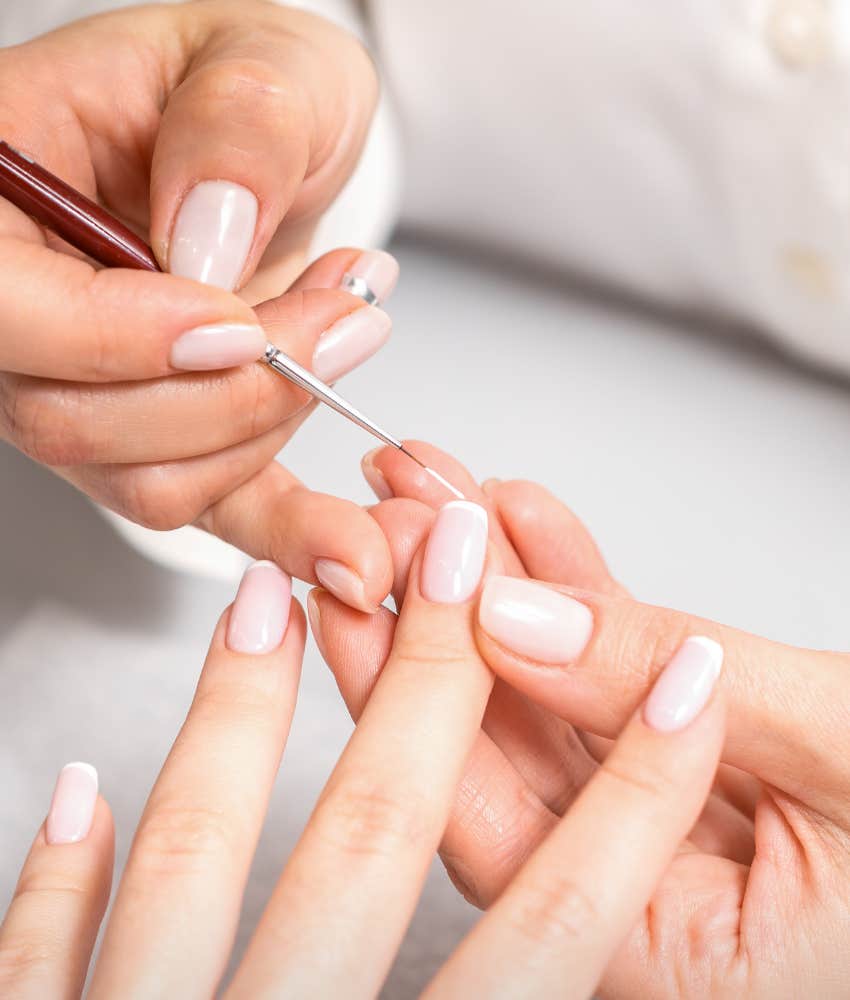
(755, 903)
(340, 909)
(134, 108)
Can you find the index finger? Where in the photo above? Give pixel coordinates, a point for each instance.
(559, 923)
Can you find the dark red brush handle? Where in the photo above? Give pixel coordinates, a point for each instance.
(69, 214)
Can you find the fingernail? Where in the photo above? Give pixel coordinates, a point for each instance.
(350, 341)
(374, 477)
(220, 345)
(455, 553)
(72, 806)
(684, 686)
(260, 613)
(534, 621)
(372, 276)
(213, 233)
(314, 616)
(344, 584)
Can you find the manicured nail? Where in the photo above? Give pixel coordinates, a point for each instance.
(374, 477)
(213, 233)
(534, 621)
(350, 341)
(260, 613)
(455, 553)
(344, 584)
(685, 685)
(314, 617)
(372, 276)
(72, 806)
(220, 345)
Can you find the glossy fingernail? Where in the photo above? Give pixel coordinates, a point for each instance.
(374, 477)
(455, 553)
(350, 341)
(684, 686)
(372, 276)
(213, 233)
(344, 584)
(260, 613)
(534, 621)
(220, 345)
(72, 806)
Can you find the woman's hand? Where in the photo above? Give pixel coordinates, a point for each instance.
(758, 905)
(340, 909)
(224, 130)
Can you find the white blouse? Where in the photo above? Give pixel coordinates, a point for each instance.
(694, 154)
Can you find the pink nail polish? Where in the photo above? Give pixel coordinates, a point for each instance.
(534, 621)
(260, 613)
(213, 233)
(684, 686)
(344, 584)
(219, 345)
(72, 806)
(374, 477)
(372, 276)
(350, 341)
(455, 553)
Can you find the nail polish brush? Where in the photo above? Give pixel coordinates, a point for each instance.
(90, 228)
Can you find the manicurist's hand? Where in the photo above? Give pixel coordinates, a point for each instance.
(221, 131)
(338, 913)
(757, 903)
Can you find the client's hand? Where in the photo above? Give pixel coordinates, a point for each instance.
(758, 905)
(340, 909)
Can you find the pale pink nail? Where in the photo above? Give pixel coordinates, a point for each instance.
(72, 806)
(350, 341)
(213, 233)
(260, 613)
(314, 616)
(684, 686)
(534, 621)
(344, 584)
(372, 276)
(219, 345)
(374, 477)
(455, 553)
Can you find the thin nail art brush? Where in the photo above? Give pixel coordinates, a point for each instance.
(90, 228)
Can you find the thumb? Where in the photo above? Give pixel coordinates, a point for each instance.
(267, 124)
(591, 659)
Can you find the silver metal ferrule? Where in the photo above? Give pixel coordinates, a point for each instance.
(357, 286)
(304, 379)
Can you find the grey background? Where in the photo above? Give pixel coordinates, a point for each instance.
(714, 473)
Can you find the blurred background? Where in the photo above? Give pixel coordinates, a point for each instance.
(624, 241)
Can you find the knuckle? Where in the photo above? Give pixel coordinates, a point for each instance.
(247, 704)
(548, 914)
(645, 641)
(176, 839)
(360, 819)
(51, 424)
(20, 960)
(152, 496)
(422, 651)
(247, 88)
(636, 779)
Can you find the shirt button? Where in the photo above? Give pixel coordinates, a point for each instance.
(798, 32)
